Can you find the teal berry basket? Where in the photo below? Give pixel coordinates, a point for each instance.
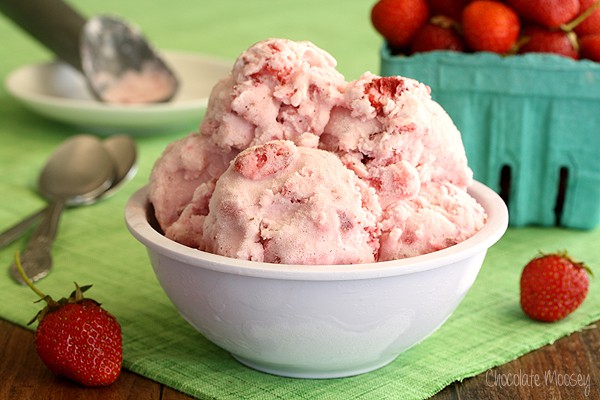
(530, 125)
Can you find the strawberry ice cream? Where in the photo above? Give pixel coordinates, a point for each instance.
(278, 89)
(439, 216)
(295, 205)
(182, 182)
(149, 84)
(292, 164)
(391, 133)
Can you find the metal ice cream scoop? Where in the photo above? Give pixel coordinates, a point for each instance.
(116, 60)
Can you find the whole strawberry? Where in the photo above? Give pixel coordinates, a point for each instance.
(398, 20)
(548, 13)
(436, 37)
(544, 40)
(78, 339)
(490, 26)
(553, 286)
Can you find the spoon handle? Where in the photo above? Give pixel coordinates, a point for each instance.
(14, 232)
(37, 256)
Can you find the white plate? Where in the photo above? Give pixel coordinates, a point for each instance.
(56, 90)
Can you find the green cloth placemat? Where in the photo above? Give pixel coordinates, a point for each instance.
(94, 246)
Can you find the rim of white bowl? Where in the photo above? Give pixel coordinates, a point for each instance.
(496, 224)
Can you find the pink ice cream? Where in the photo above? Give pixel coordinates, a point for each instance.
(391, 133)
(295, 205)
(439, 216)
(293, 164)
(182, 182)
(149, 84)
(278, 89)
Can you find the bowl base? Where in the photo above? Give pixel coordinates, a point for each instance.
(307, 373)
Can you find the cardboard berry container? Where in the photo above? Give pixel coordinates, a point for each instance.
(530, 125)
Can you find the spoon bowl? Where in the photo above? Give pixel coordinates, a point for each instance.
(79, 170)
(123, 151)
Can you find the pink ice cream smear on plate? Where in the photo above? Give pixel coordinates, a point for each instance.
(148, 85)
(293, 164)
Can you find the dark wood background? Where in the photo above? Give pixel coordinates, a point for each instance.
(24, 377)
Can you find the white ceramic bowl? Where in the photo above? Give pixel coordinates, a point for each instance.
(316, 321)
(57, 91)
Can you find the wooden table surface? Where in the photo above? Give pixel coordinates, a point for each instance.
(573, 362)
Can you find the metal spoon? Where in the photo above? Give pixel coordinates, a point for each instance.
(109, 52)
(123, 152)
(78, 171)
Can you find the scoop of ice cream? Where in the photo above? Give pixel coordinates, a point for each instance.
(393, 135)
(439, 216)
(296, 205)
(329, 172)
(404, 145)
(278, 89)
(181, 185)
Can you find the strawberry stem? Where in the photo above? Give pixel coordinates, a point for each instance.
(522, 41)
(587, 269)
(28, 282)
(568, 27)
(445, 22)
(25, 277)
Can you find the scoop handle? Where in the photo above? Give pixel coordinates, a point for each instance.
(51, 22)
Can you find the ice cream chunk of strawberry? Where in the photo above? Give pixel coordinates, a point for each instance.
(263, 161)
(296, 205)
